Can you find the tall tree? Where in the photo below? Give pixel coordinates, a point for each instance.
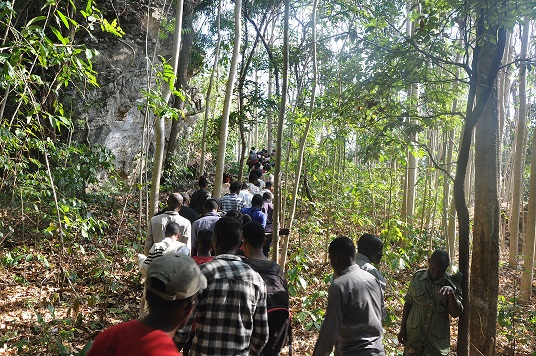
(160, 124)
(224, 127)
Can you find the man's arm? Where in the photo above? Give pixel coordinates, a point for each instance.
(454, 300)
(259, 334)
(332, 322)
(402, 335)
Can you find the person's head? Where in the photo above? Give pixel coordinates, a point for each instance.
(235, 187)
(245, 219)
(267, 167)
(341, 254)
(185, 198)
(210, 205)
(267, 196)
(268, 186)
(256, 201)
(174, 201)
(172, 283)
(235, 214)
(204, 241)
(438, 264)
(173, 231)
(253, 178)
(244, 186)
(257, 165)
(227, 236)
(253, 234)
(226, 178)
(203, 182)
(370, 246)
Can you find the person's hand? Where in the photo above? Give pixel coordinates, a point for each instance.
(402, 335)
(446, 290)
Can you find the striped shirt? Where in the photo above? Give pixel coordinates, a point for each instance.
(231, 317)
(165, 246)
(230, 202)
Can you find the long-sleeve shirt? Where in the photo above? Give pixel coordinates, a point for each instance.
(364, 263)
(353, 316)
(428, 321)
(206, 222)
(231, 318)
(157, 226)
(165, 246)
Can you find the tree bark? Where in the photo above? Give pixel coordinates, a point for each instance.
(280, 125)
(160, 125)
(485, 254)
(528, 241)
(224, 127)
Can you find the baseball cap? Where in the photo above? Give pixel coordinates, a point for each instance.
(178, 273)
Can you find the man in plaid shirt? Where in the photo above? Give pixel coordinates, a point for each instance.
(231, 317)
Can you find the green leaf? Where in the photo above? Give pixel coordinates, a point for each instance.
(59, 35)
(63, 18)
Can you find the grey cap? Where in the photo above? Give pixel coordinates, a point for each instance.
(179, 274)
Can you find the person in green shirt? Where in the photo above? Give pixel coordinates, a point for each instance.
(432, 295)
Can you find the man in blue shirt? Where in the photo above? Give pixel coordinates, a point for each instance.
(255, 211)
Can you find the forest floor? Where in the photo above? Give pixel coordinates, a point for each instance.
(50, 306)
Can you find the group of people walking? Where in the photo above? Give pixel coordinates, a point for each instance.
(210, 289)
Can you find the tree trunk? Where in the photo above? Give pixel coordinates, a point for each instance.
(519, 157)
(209, 92)
(485, 66)
(280, 125)
(528, 241)
(485, 257)
(303, 139)
(160, 124)
(224, 127)
(182, 80)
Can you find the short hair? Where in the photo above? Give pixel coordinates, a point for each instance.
(342, 246)
(174, 200)
(226, 177)
(267, 167)
(246, 218)
(210, 205)
(172, 228)
(266, 196)
(203, 182)
(204, 239)
(256, 200)
(253, 233)
(441, 258)
(257, 164)
(235, 186)
(228, 233)
(253, 177)
(368, 242)
(268, 185)
(235, 214)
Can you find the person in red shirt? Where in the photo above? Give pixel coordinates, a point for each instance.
(204, 247)
(172, 283)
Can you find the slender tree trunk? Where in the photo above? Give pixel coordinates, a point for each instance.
(160, 125)
(518, 171)
(224, 127)
(485, 257)
(280, 125)
(209, 92)
(303, 139)
(528, 241)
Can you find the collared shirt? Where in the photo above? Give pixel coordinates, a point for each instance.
(428, 321)
(167, 245)
(364, 263)
(246, 197)
(231, 201)
(206, 222)
(231, 317)
(157, 226)
(256, 215)
(353, 316)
